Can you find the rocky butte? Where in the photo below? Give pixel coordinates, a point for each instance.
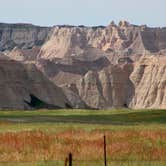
(82, 67)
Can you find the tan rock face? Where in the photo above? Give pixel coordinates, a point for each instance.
(138, 86)
(103, 63)
(69, 70)
(19, 82)
(62, 41)
(149, 79)
(24, 55)
(72, 95)
(22, 36)
(113, 42)
(91, 43)
(90, 90)
(111, 87)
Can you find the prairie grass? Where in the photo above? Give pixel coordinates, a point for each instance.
(33, 146)
(134, 138)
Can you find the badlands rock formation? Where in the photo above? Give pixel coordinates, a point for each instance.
(23, 36)
(107, 88)
(94, 67)
(149, 80)
(25, 87)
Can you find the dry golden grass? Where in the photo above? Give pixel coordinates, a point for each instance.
(36, 138)
(29, 146)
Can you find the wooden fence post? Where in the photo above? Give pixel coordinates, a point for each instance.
(105, 152)
(66, 161)
(70, 159)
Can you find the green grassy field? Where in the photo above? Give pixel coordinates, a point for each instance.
(114, 117)
(120, 122)
(86, 119)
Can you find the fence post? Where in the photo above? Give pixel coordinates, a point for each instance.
(70, 159)
(66, 161)
(105, 152)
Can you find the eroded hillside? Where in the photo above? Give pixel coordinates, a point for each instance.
(95, 67)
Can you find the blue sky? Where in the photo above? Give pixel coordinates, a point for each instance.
(86, 12)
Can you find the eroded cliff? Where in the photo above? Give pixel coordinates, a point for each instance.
(149, 80)
(96, 67)
(24, 87)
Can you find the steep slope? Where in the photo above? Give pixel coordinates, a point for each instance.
(110, 87)
(138, 86)
(23, 36)
(72, 95)
(149, 79)
(154, 39)
(24, 55)
(97, 67)
(85, 42)
(70, 52)
(90, 43)
(24, 87)
(68, 70)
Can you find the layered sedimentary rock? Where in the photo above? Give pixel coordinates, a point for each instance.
(72, 95)
(85, 43)
(23, 55)
(96, 67)
(92, 42)
(68, 70)
(149, 80)
(110, 87)
(142, 85)
(25, 87)
(23, 36)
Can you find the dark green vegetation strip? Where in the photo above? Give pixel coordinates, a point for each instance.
(114, 117)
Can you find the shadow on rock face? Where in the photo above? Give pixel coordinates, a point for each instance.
(36, 103)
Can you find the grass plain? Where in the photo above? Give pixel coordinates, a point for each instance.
(44, 137)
